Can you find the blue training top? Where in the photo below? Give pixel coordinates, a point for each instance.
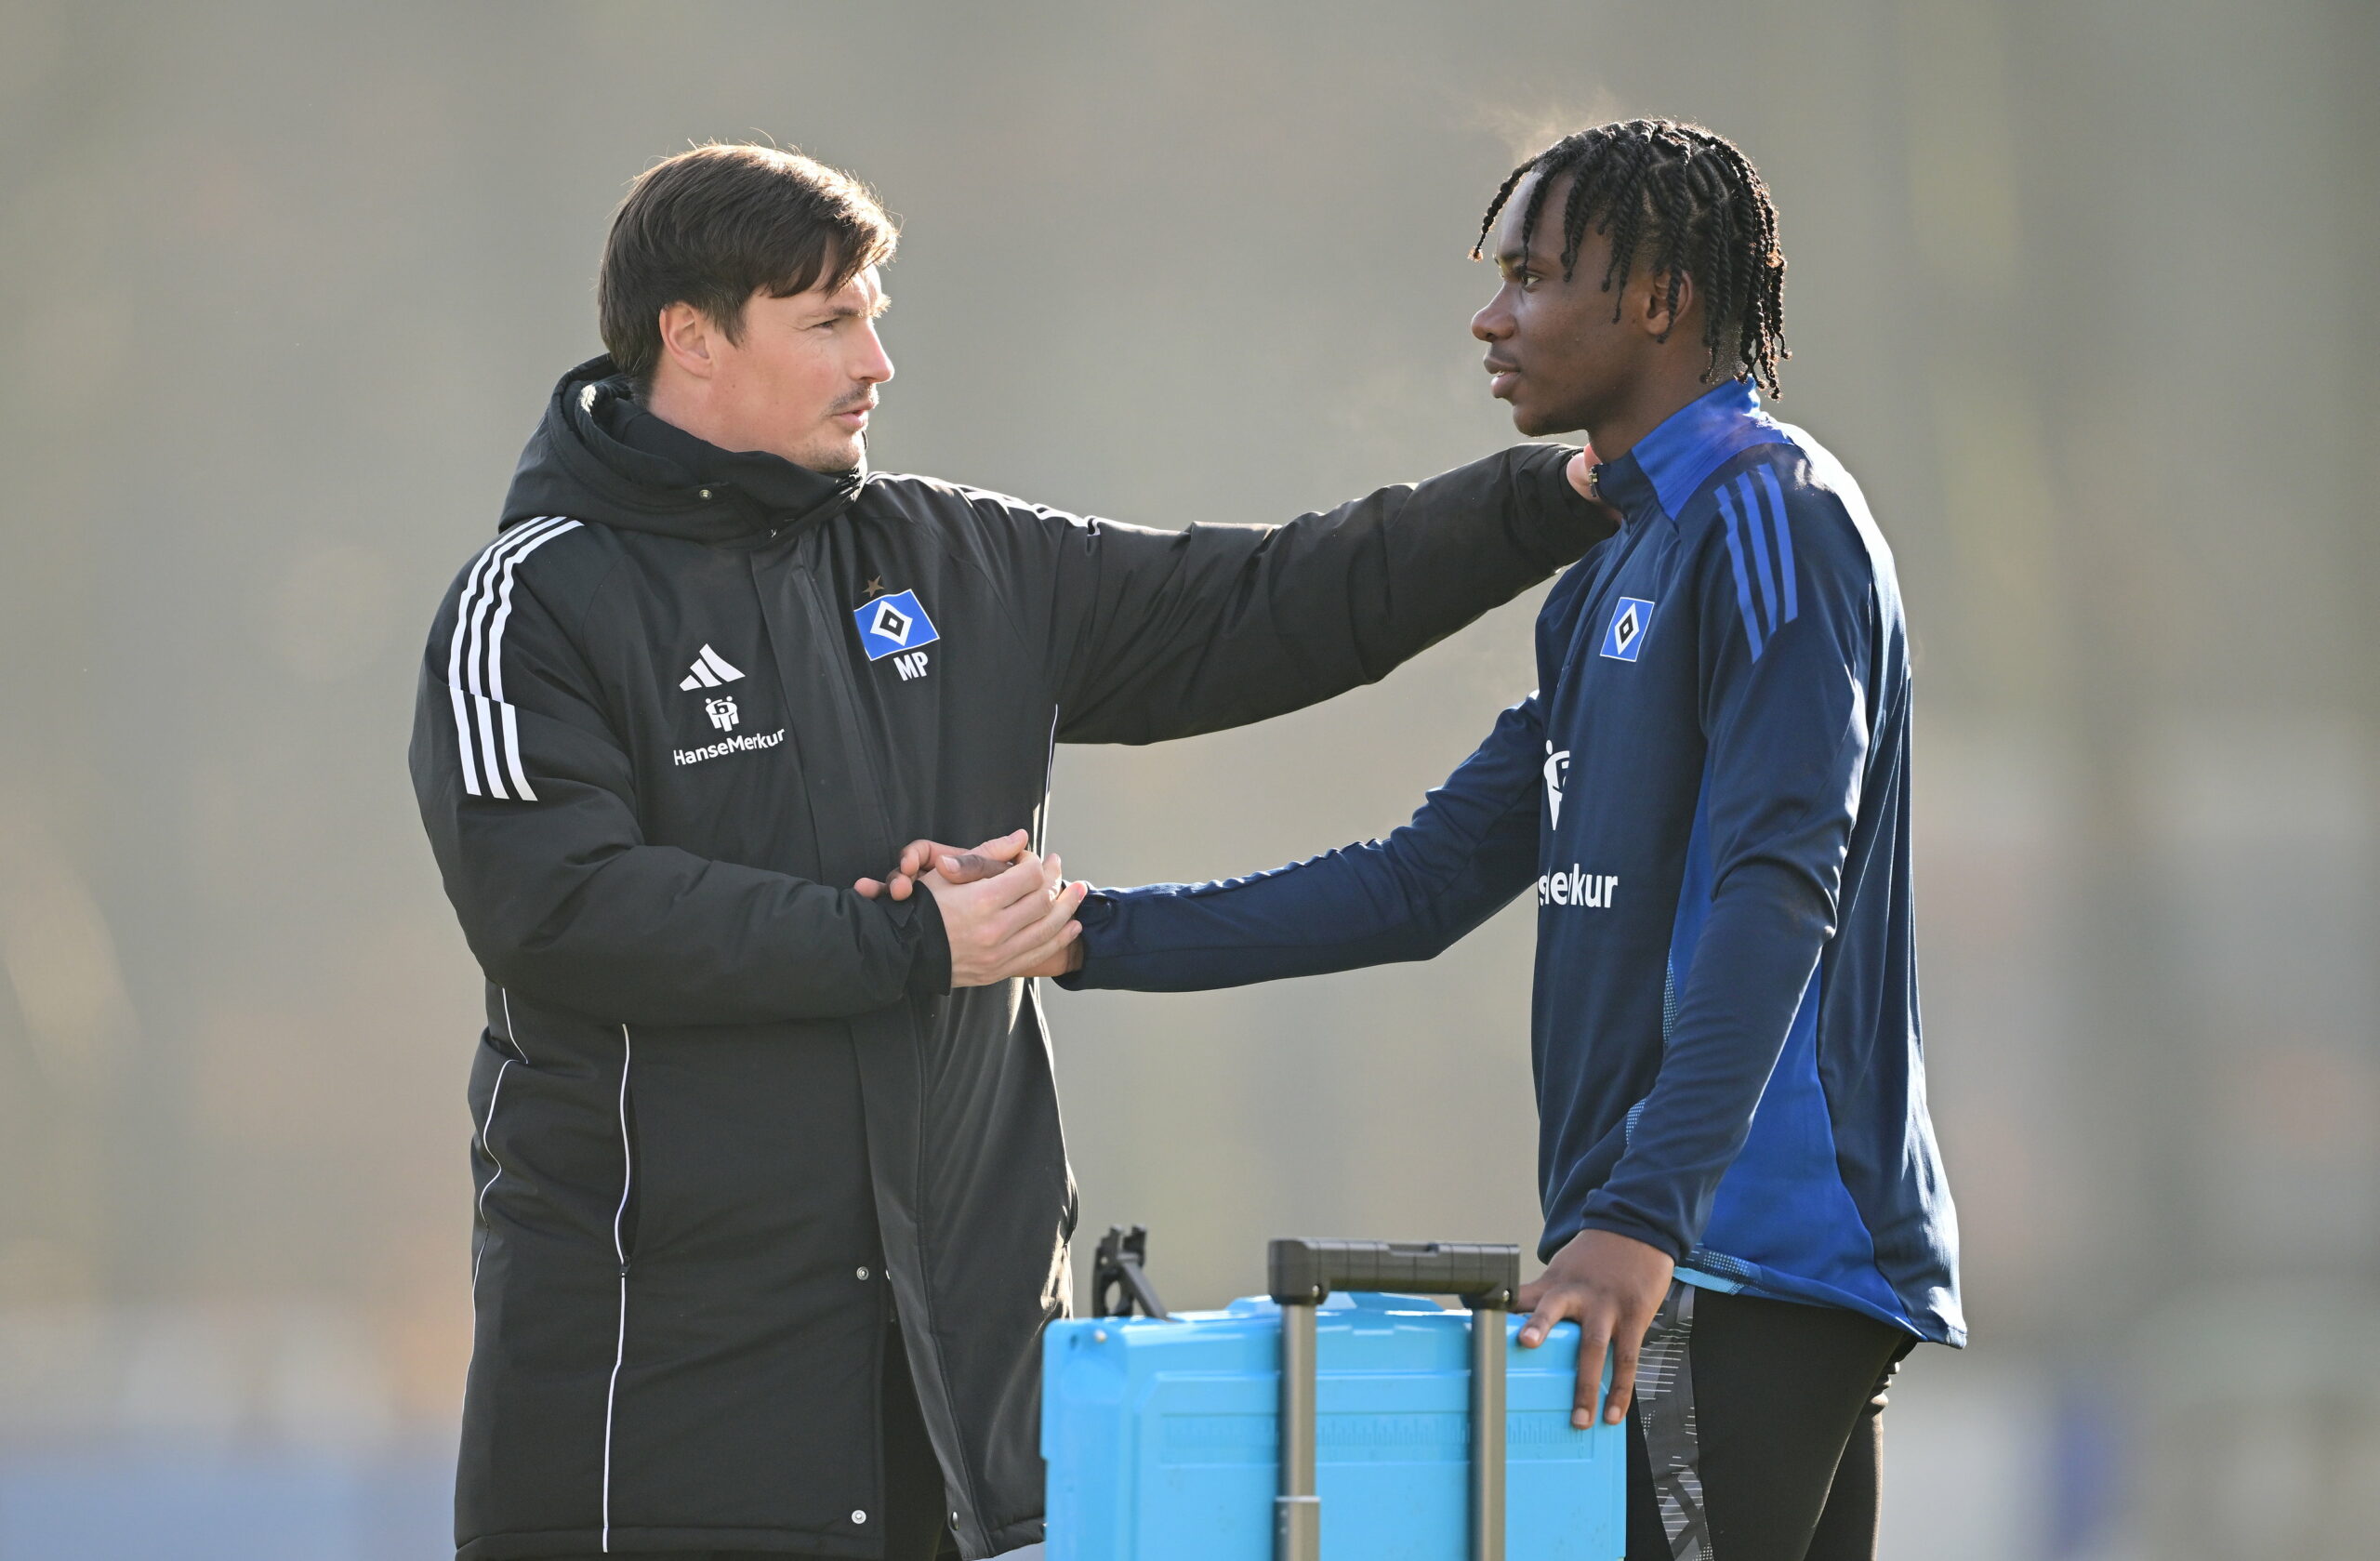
(1710, 790)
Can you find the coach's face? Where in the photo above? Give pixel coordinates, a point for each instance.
(1554, 350)
(798, 377)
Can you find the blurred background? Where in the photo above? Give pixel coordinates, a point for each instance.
(2079, 289)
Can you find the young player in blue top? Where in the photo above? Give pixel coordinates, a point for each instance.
(1709, 795)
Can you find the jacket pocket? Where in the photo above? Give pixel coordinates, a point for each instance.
(750, 1155)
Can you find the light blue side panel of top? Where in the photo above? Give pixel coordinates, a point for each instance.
(1782, 1223)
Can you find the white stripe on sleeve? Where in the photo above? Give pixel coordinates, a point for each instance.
(466, 615)
(487, 728)
(512, 727)
(474, 674)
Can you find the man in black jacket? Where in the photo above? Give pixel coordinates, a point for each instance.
(772, 1201)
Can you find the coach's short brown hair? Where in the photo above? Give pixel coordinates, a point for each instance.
(712, 226)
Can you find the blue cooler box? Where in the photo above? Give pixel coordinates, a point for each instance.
(1162, 1437)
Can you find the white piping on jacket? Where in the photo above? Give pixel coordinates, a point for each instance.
(481, 1256)
(511, 1039)
(628, 1180)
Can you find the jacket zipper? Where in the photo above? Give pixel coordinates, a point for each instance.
(847, 706)
(825, 623)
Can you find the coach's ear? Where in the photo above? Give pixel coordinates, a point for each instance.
(689, 338)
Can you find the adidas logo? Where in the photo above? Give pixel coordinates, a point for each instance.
(710, 670)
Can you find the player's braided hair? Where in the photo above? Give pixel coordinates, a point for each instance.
(1685, 202)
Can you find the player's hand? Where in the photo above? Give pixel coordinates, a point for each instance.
(1010, 924)
(1611, 1286)
(1066, 961)
(919, 857)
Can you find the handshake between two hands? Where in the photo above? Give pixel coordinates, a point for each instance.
(1009, 912)
(1006, 911)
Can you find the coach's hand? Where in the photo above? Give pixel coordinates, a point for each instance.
(1582, 473)
(1007, 925)
(919, 857)
(1612, 1286)
(989, 860)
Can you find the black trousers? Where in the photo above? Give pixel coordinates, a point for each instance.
(1756, 1435)
(917, 1524)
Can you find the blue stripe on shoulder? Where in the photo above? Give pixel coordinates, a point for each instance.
(1757, 523)
(1784, 538)
(1743, 580)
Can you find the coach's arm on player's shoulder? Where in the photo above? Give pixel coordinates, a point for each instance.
(1152, 635)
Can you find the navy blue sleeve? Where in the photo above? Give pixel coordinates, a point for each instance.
(1788, 664)
(1470, 848)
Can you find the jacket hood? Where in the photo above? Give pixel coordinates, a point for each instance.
(598, 456)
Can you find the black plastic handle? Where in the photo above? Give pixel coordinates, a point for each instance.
(1120, 1276)
(1303, 1272)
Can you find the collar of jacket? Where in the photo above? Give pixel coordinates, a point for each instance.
(1665, 466)
(598, 456)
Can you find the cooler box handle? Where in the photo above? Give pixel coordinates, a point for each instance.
(1302, 1274)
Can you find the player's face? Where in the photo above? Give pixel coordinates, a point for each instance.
(1553, 349)
(802, 380)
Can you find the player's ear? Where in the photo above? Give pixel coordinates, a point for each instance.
(1655, 314)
